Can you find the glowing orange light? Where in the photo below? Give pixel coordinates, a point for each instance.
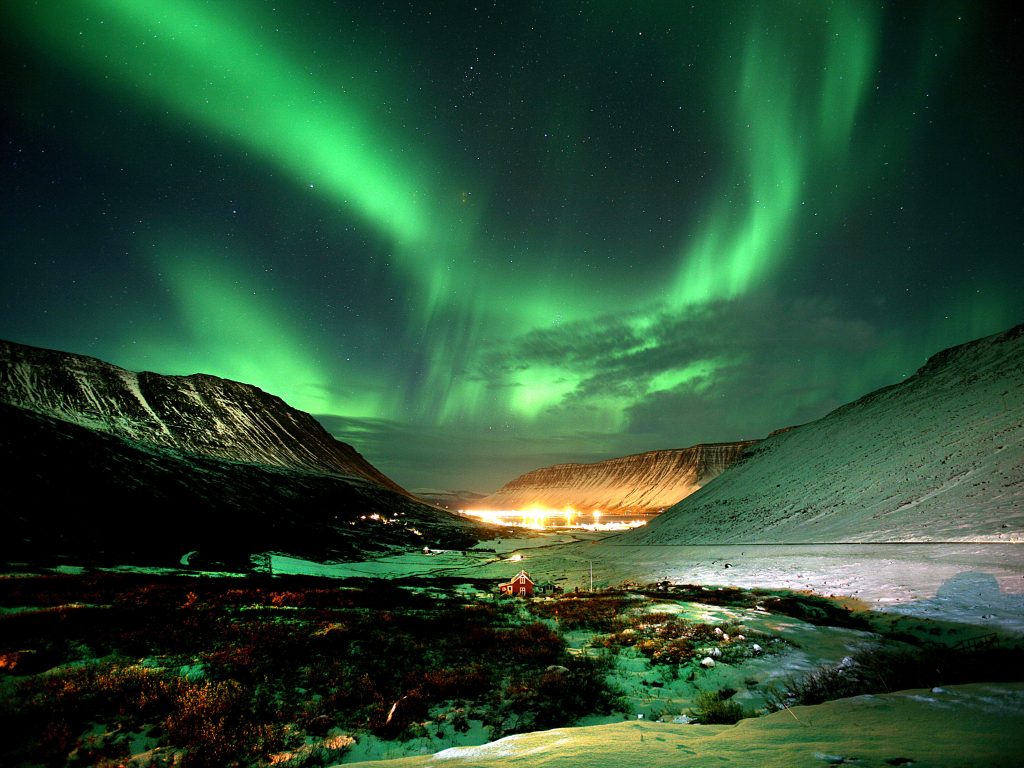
(539, 517)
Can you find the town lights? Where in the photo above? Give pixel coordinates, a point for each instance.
(541, 518)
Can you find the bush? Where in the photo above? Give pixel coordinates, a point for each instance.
(886, 669)
(718, 708)
(666, 639)
(214, 722)
(560, 695)
(600, 613)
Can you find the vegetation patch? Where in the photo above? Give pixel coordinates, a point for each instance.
(260, 671)
(595, 612)
(894, 667)
(718, 708)
(665, 638)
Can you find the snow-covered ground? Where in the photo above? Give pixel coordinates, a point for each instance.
(970, 583)
(957, 726)
(980, 584)
(976, 584)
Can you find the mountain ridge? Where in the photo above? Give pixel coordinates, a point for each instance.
(107, 466)
(642, 483)
(936, 457)
(199, 413)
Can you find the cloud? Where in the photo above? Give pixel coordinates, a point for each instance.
(725, 371)
(721, 371)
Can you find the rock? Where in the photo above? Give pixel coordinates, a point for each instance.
(756, 648)
(707, 662)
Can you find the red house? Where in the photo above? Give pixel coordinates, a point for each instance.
(520, 586)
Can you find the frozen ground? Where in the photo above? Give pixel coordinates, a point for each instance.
(970, 583)
(957, 726)
(980, 583)
(976, 584)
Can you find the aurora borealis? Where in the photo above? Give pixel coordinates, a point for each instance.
(478, 238)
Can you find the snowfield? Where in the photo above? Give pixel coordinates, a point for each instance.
(961, 725)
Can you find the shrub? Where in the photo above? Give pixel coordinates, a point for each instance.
(667, 639)
(600, 613)
(718, 708)
(885, 669)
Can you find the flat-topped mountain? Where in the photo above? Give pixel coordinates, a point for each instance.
(642, 483)
(937, 457)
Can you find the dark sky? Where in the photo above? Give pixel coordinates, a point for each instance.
(478, 238)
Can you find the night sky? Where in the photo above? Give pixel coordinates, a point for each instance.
(478, 238)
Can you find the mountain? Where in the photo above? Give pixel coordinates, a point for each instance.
(109, 466)
(198, 414)
(642, 483)
(938, 457)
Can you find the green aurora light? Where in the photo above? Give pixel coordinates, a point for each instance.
(551, 224)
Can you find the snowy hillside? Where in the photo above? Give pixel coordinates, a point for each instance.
(643, 482)
(938, 457)
(198, 414)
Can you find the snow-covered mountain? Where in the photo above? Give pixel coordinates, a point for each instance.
(104, 465)
(642, 483)
(197, 414)
(938, 457)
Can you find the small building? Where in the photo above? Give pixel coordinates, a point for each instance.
(520, 586)
(547, 588)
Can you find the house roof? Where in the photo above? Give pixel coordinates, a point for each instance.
(517, 577)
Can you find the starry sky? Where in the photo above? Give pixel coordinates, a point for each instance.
(477, 238)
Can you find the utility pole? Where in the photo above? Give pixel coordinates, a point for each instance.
(591, 575)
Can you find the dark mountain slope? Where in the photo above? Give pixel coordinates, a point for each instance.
(198, 414)
(105, 465)
(96, 498)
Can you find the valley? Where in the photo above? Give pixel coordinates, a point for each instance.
(304, 610)
(511, 384)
